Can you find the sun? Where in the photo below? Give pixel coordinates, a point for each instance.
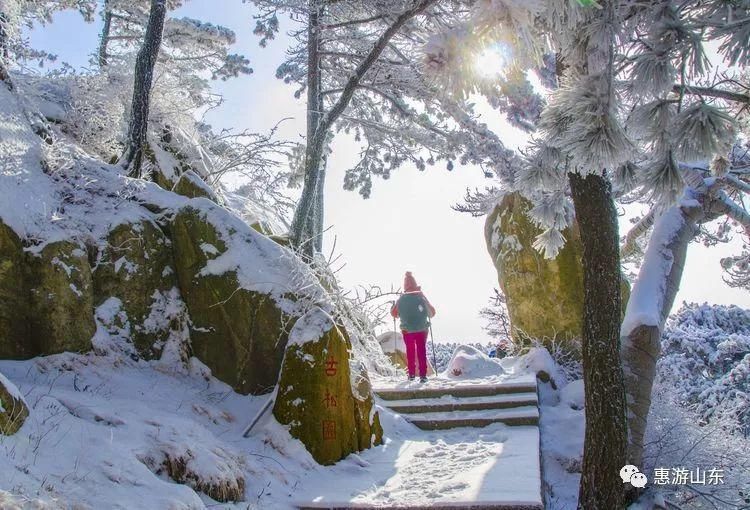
(492, 62)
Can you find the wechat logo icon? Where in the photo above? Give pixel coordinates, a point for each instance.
(631, 474)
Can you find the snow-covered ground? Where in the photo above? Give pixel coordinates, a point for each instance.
(436, 468)
(102, 428)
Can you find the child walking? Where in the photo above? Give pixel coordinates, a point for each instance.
(415, 311)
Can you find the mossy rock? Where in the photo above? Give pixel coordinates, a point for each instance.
(281, 240)
(191, 186)
(14, 304)
(13, 410)
(239, 334)
(544, 297)
(135, 266)
(262, 227)
(61, 310)
(325, 402)
(158, 175)
(370, 432)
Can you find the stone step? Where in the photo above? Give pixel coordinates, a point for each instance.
(443, 506)
(448, 403)
(520, 416)
(456, 391)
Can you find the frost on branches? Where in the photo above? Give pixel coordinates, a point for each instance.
(706, 358)
(360, 66)
(634, 114)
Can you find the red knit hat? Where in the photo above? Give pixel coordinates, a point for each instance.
(410, 284)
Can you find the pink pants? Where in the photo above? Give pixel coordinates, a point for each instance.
(416, 346)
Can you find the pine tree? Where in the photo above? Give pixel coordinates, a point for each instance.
(340, 51)
(188, 46)
(16, 13)
(361, 66)
(654, 106)
(132, 158)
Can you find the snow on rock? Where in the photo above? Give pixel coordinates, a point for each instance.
(573, 395)
(260, 264)
(470, 362)
(104, 429)
(13, 407)
(11, 390)
(112, 329)
(28, 195)
(539, 361)
(191, 186)
(323, 396)
(190, 455)
(392, 341)
(311, 327)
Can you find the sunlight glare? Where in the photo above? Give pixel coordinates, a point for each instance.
(491, 63)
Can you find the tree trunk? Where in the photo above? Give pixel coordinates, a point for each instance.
(319, 208)
(606, 436)
(316, 144)
(104, 41)
(4, 51)
(144, 76)
(659, 276)
(303, 225)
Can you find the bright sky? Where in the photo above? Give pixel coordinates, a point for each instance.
(407, 224)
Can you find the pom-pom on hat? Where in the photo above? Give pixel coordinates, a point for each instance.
(410, 284)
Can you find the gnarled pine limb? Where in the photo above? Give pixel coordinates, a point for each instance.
(316, 143)
(641, 330)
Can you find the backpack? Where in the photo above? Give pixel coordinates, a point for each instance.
(413, 311)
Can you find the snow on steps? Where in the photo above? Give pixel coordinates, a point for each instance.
(440, 408)
(507, 478)
(457, 391)
(439, 421)
(450, 403)
(444, 506)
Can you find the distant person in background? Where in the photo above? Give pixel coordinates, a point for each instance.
(415, 311)
(500, 350)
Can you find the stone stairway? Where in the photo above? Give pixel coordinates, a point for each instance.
(465, 406)
(434, 407)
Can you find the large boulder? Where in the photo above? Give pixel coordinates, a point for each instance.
(61, 310)
(544, 297)
(323, 395)
(13, 408)
(239, 334)
(369, 429)
(14, 337)
(190, 185)
(135, 266)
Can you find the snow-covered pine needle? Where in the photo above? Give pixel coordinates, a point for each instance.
(662, 177)
(549, 243)
(702, 131)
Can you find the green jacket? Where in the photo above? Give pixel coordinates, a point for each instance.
(414, 311)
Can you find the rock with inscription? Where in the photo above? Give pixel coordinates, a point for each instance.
(324, 396)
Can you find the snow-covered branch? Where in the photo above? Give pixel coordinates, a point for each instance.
(727, 95)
